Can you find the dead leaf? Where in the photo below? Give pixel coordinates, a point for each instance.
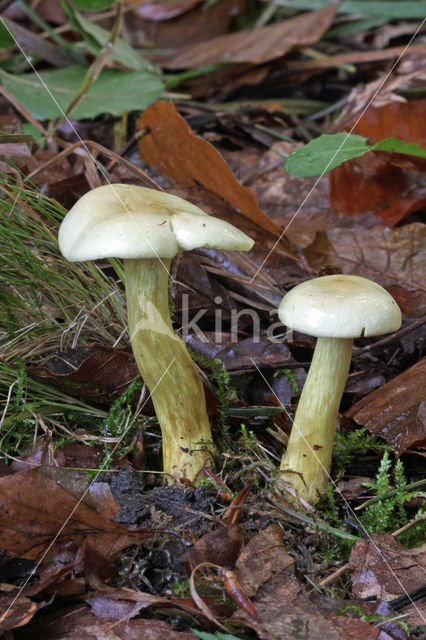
(263, 559)
(168, 134)
(220, 546)
(79, 623)
(285, 610)
(170, 24)
(258, 45)
(381, 567)
(48, 504)
(397, 411)
(91, 372)
(388, 256)
(17, 612)
(385, 183)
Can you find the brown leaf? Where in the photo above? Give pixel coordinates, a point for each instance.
(390, 257)
(381, 567)
(168, 25)
(242, 355)
(258, 45)
(168, 135)
(386, 183)
(263, 559)
(220, 546)
(91, 372)
(16, 612)
(397, 411)
(285, 610)
(78, 623)
(41, 504)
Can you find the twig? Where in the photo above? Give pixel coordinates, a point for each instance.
(391, 337)
(107, 152)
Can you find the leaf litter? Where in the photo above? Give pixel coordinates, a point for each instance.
(111, 558)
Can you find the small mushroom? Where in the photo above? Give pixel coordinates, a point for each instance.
(336, 309)
(147, 228)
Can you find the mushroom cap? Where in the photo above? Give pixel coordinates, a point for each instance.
(340, 306)
(126, 221)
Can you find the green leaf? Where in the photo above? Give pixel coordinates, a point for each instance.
(217, 636)
(331, 150)
(93, 5)
(388, 9)
(6, 39)
(95, 38)
(48, 95)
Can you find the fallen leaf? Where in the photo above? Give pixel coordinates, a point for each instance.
(397, 411)
(285, 610)
(380, 182)
(79, 623)
(220, 546)
(257, 46)
(17, 612)
(43, 505)
(381, 567)
(167, 135)
(263, 559)
(388, 256)
(168, 25)
(91, 372)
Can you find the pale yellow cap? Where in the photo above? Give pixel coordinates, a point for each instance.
(340, 306)
(126, 221)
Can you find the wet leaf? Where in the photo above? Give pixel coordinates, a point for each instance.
(92, 373)
(397, 411)
(388, 184)
(381, 567)
(220, 546)
(42, 503)
(258, 45)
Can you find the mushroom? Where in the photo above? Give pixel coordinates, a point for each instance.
(147, 228)
(336, 309)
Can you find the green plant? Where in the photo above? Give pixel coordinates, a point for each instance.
(224, 390)
(346, 446)
(45, 300)
(331, 150)
(214, 636)
(25, 400)
(290, 377)
(388, 513)
(375, 618)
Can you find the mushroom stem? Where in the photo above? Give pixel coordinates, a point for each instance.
(305, 466)
(167, 369)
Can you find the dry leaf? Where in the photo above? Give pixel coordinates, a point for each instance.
(42, 503)
(396, 411)
(388, 256)
(172, 147)
(381, 567)
(388, 184)
(258, 45)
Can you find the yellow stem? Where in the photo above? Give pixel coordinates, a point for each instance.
(305, 465)
(167, 369)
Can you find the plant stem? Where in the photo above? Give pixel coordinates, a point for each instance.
(306, 463)
(167, 369)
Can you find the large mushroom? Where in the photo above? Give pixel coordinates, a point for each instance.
(336, 309)
(147, 228)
